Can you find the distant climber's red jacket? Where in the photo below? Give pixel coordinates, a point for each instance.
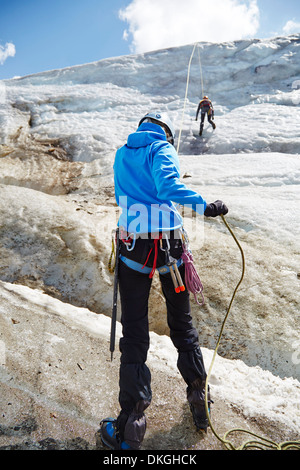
(205, 106)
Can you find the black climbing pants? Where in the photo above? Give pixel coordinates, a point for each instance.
(209, 118)
(135, 378)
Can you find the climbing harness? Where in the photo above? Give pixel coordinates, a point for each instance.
(171, 265)
(145, 269)
(260, 442)
(192, 280)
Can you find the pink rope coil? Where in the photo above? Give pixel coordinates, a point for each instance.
(192, 280)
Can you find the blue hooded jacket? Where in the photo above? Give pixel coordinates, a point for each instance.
(146, 176)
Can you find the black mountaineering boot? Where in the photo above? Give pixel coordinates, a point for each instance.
(110, 435)
(127, 431)
(196, 399)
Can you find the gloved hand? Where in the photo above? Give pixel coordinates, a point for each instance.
(215, 208)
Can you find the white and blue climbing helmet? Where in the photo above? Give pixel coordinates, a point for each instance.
(163, 120)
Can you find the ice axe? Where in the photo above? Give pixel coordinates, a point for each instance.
(115, 298)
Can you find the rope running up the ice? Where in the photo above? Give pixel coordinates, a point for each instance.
(192, 279)
(187, 87)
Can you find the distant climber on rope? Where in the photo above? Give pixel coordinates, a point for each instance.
(206, 107)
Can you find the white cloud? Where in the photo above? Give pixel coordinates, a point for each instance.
(291, 27)
(156, 24)
(6, 51)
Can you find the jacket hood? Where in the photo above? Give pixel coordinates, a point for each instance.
(145, 135)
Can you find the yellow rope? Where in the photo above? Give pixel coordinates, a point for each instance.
(260, 442)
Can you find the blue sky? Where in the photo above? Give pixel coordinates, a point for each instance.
(39, 35)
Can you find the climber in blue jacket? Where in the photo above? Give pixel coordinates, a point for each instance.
(147, 187)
